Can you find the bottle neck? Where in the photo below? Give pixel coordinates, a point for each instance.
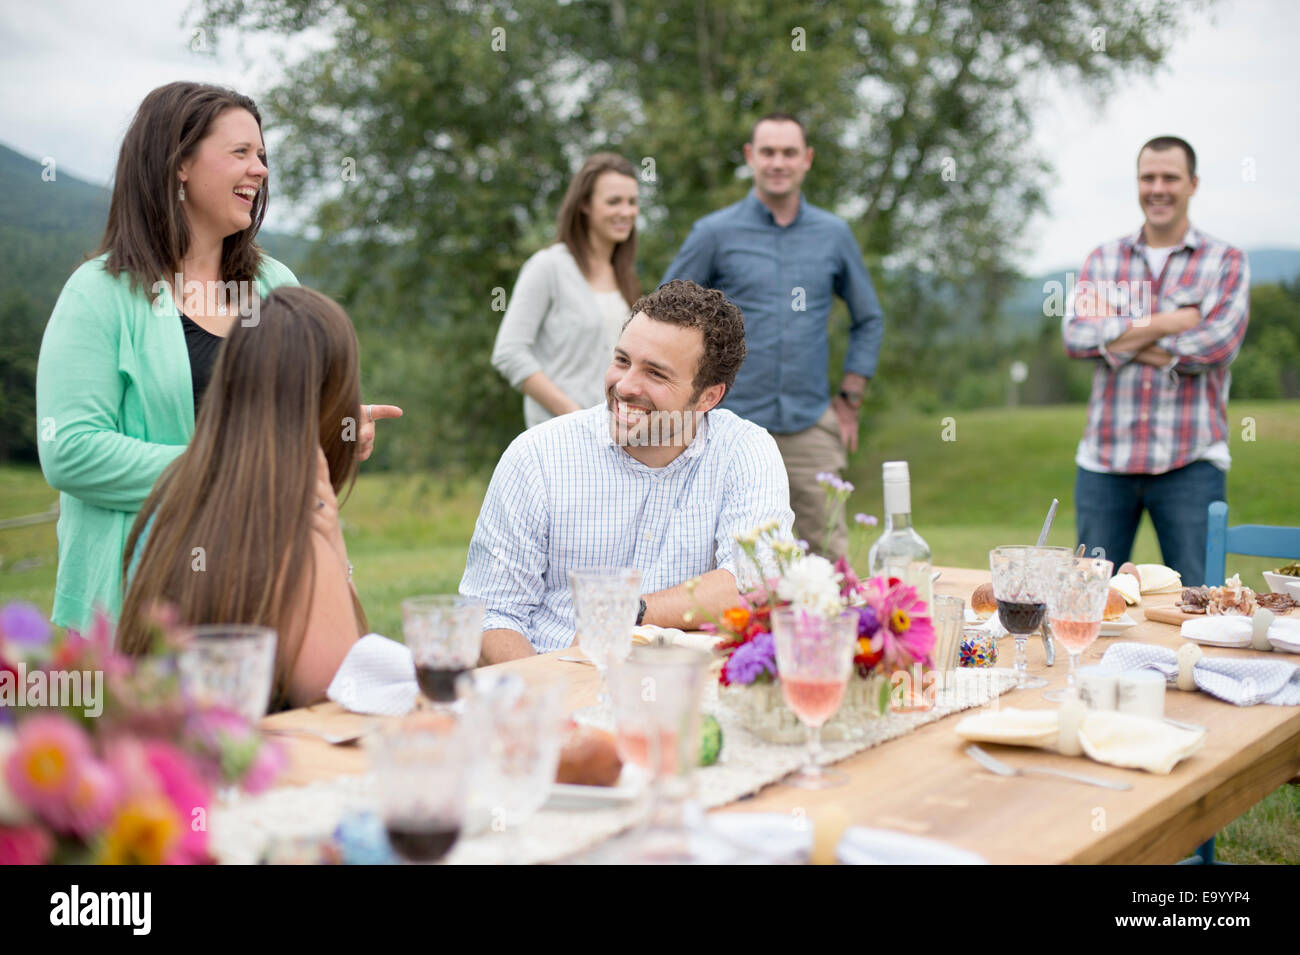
(898, 505)
(898, 522)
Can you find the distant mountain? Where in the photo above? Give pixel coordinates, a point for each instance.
(49, 225)
(1024, 310)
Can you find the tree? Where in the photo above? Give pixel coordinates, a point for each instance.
(435, 140)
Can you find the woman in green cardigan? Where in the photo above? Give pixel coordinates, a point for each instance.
(135, 332)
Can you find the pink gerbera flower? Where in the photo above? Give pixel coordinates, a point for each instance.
(906, 633)
(43, 768)
(187, 793)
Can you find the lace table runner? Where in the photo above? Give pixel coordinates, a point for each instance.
(241, 830)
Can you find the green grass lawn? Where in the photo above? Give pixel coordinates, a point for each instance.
(408, 534)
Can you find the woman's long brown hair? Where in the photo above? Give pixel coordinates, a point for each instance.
(147, 234)
(572, 224)
(230, 540)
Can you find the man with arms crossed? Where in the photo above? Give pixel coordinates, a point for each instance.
(658, 478)
(1162, 314)
(782, 260)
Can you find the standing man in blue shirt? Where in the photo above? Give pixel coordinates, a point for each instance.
(781, 260)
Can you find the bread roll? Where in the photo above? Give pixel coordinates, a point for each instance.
(1115, 605)
(982, 602)
(589, 758)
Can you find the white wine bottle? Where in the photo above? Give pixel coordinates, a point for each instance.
(900, 551)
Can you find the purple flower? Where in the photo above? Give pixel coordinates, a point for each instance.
(866, 520)
(752, 660)
(23, 623)
(868, 623)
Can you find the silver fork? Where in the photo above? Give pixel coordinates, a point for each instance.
(1002, 769)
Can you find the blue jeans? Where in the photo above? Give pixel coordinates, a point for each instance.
(1108, 508)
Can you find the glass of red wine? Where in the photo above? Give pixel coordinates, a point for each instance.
(1076, 605)
(444, 635)
(1022, 579)
(814, 655)
(421, 768)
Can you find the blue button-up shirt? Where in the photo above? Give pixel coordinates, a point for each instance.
(565, 496)
(783, 278)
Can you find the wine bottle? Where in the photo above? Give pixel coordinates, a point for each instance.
(900, 551)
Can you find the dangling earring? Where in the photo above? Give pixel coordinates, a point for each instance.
(180, 193)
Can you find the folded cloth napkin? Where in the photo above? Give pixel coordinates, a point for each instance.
(1136, 742)
(786, 837)
(377, 677)
(1117, 739)
(1243, 682)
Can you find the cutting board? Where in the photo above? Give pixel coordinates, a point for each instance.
(1169, 615)
(1176, 617)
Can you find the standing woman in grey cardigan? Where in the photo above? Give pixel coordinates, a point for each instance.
(568, 307)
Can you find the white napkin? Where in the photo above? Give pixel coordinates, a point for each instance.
(1117, 739)
(1218, 631)
(1137, 742)
(1284, 634)
(376, 677)
(861, 846)
(788, 837)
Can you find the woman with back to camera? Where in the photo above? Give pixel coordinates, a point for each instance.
(132, 340)
(256, 489)
(571, 300)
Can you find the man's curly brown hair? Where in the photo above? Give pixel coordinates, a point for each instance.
(682, 302)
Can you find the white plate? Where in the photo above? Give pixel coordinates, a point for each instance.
(1113, 628)
(565, 796)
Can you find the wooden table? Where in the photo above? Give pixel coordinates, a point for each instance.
(924, 784)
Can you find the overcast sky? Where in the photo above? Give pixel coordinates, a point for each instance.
(74, 72)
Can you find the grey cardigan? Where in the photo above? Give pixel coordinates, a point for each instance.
(555, 325)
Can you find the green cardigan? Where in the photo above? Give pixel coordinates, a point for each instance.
(114, 407)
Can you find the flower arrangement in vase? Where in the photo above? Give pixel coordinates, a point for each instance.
(894, 628)
(102, 759)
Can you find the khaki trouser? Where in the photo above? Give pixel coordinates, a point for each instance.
(807, 454)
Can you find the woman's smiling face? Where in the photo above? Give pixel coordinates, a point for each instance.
(223, 177)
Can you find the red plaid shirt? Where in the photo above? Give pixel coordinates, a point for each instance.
(1143, 419)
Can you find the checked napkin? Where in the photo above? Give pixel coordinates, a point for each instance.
(1243, 682)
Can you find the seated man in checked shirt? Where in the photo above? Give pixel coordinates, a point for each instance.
(656, 478)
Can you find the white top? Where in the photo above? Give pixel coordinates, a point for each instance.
(1156, 258)
(565, 496)
(557, 324)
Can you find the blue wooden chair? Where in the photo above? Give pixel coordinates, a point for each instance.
(1253, 540)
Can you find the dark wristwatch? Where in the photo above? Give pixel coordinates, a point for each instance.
(640, 613)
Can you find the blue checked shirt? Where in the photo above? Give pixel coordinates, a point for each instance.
(784, 278)
(565, 496)
(1143, 419)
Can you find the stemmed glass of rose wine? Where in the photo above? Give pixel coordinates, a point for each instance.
(1076, 604)
(814, 655)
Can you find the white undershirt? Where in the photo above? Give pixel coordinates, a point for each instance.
(1156, 259)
